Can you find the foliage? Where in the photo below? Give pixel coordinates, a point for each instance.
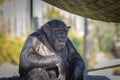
(77, 41)
(101, 37)
(10, 47)
(53, 13)
(103, 34)
(1, 2)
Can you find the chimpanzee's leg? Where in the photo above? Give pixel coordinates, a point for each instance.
(69, 74)
(37, 74)
(53, 73)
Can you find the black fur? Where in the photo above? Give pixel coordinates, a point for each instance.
(54, 57)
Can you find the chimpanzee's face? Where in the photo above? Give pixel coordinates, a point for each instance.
(57, 31)
(59, 35)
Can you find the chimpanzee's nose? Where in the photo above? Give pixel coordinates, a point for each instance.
(62, 40)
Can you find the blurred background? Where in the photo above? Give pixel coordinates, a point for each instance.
(98, 42)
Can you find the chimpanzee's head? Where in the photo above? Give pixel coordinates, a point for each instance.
(56, 32)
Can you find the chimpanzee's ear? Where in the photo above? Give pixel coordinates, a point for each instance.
(46, 28)
(68, 27)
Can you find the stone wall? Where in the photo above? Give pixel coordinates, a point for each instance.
(104, 10)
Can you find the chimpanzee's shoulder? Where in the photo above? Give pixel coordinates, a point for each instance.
(36, 33)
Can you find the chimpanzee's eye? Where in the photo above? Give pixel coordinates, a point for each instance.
(61, 32)
(57, 31)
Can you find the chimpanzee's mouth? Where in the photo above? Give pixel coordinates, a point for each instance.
(61, 43)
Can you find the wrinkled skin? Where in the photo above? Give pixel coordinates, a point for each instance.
(48, 54)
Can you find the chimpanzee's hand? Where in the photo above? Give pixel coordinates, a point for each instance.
(61, 70)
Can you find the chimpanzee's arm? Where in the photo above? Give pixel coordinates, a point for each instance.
(29, 58)
(74, 56)
(76, 61)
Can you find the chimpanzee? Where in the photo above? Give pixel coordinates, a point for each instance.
(48, 54)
